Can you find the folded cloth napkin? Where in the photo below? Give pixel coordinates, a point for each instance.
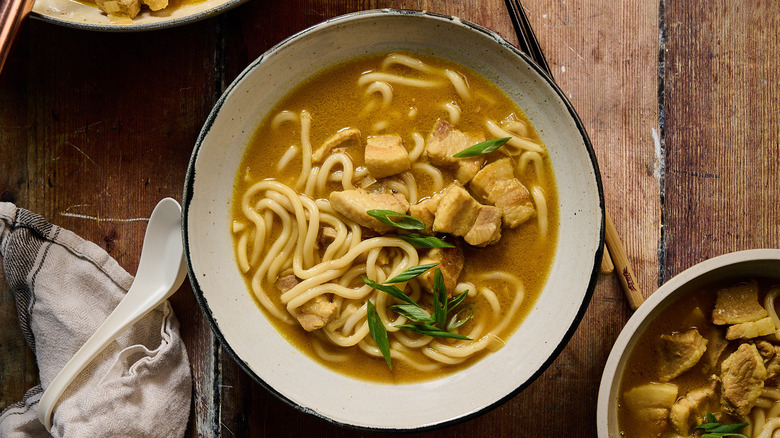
(64, 286)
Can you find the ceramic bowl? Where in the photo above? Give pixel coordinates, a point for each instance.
(251, 339)
(733, 266)
(72, 13)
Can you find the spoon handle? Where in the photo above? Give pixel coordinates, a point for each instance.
(12, 14)
(146, 293)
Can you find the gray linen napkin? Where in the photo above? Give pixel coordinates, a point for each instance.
(64, 286)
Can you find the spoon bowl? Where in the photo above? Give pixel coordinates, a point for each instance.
(160, 273)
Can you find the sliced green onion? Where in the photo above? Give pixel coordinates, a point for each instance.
(483, 148)
(406, 222)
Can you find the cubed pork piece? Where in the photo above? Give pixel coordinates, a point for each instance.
(716, 340)
(750, 330)
(425, 210)
(385, 155)
(650, 404)
(353, 204)
(345, 137)
(686, 411)
(327, 236)
(738, 304)
(458, 212)
(771, 355)
(156, 5)
(496, 184)
(742, 380)
(451, 261)
(679, 352)
(287, 282)
(316, 313)
(444, 142)
(119, 8)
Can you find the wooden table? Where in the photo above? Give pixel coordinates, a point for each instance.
(680, 100)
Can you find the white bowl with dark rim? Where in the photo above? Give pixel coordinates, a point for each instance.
(242, 327)
(733, 266)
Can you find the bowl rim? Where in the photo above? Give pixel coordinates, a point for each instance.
(664, 293)
(589, 290)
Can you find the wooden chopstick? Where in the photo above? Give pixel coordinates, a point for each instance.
(12, 14)
(613, 248)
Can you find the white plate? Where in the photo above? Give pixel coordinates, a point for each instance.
(252, 340)
(71, 13)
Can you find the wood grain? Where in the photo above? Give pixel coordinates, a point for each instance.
(678, 99)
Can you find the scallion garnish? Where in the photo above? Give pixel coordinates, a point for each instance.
(714, 429)
(378, 332)
(405, 222)
(422, 241)
(424, 323)
(483, 148)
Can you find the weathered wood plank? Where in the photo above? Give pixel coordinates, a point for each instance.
(721, 129)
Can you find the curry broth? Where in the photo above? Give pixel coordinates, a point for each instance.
(335, 101)
(642, 364)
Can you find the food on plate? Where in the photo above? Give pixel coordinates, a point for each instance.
(123, 11)
(711, 359)
(397, 213)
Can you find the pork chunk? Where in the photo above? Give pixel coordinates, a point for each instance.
(742, 380)
(287, 282)
(650, 404)
(385, 155)
(771, 355)
(425, 210)
(687, 410)
(444, 142)
(749, 330)
(456, 212)
(679, 352)
(345, 137)
(496, 184)
(354, 204)
(486, 229)
(316, 313)
(738, 304)
(119, 8)
(451, 261)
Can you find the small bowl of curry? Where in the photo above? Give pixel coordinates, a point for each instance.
(701, 355)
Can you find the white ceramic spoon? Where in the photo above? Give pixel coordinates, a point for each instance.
(160, 273)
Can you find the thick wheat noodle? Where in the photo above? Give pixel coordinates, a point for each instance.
(411, 187)
(412, 342)
(418, 149)
(459, 83)
(288, 156)
(758, 417)
(306, 149)
(359, 172)
(517, 127)
(382, 88)
(537, 193)
(432, 172)
(432, 353)
(348, 341)
(772, 393)
(769, 428)
(323, 354)
(519, 143)
(408, 61)
(774, 411)
(341, 235)
(397, 186)
(534, 158)
(282, 117)
(398, 80)
(491, 298)
(380, 126)
(763, 403)
(326, 169)
(453, 110)
(241, 252)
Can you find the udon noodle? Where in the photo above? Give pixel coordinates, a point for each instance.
(301, 254)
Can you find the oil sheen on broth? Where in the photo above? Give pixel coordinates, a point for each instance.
(728, 367)
(334, 102)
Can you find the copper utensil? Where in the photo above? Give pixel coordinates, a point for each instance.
(12, 14)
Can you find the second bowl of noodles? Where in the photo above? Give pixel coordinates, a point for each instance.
(391, 210)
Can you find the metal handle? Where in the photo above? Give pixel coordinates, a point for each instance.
(12, 14)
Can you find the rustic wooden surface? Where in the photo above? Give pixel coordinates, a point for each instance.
(679, 98)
